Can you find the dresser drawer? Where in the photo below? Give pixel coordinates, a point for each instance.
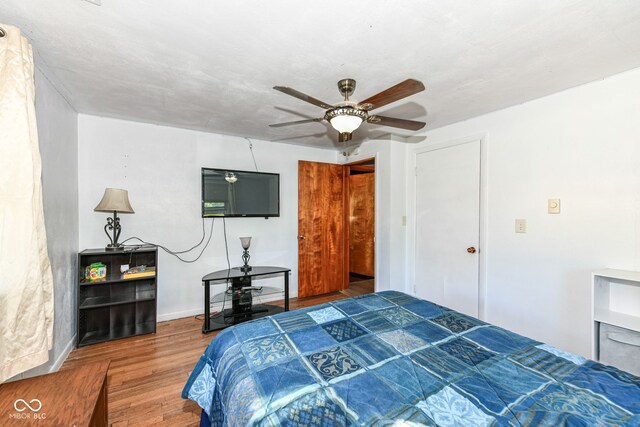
(620, 347)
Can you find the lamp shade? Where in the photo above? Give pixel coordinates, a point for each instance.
(346, 119)
(245, 242)
(114, 200)
(346, 123)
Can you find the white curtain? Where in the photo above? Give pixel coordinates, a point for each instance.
(26, 283)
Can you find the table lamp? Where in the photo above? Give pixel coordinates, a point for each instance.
(117, 201)
(246, 242)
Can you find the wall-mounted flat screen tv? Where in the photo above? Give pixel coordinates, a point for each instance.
(233, 193)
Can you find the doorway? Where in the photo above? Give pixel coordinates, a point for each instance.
(447, 201)
(360, 226)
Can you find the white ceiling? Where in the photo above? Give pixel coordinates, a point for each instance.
(211, 65)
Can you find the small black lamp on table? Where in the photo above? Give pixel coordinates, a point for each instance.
(245, 242)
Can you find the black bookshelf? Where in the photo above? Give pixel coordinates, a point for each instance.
(116, 307)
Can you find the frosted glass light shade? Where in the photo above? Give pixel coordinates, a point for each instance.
(114, 200)
(346, 123)
(245, 242)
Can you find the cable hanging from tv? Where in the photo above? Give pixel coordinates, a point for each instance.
(178, 253)
(231, 177)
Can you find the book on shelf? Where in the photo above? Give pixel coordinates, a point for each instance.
(139, 272)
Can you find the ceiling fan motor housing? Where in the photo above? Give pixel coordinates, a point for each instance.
(346, 87)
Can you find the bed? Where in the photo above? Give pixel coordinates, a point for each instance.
(391, 359)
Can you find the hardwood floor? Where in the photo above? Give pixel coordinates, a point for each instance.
(360, 288)
(147, 373)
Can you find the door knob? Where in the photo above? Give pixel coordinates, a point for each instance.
(302, 237)
(471, 250)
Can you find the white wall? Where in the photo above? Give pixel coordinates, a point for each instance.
(390, 205)
(582, 146)
(160, 167)
(58, 137)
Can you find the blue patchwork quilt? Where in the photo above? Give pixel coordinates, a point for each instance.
(392, 359)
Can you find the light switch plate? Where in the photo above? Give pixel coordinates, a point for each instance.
(553, 206)
(521, 225)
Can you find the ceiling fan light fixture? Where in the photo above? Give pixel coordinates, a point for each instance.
(346, 119)
(346, 124)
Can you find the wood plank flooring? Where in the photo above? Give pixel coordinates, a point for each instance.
(147, 373)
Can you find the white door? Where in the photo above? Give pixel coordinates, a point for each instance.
(448, 226)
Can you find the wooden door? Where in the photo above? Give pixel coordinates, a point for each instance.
(362, 224)
(320, 228)
(446, 261)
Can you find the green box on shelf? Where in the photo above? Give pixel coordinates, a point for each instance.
(95, 272)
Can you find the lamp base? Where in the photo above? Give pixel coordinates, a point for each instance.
(114, 248)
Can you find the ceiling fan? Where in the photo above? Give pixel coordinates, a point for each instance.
(347, 116)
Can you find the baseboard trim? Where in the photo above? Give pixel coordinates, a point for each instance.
(178, 314)
(198, 311)
(65, 353)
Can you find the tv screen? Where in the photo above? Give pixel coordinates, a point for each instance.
(232, 193)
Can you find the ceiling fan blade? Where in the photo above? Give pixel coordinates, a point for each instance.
(298, 122)
(396, 123)
(303, 96)
(394, 93)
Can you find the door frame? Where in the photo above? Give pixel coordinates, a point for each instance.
(346, 227)
(483, 214)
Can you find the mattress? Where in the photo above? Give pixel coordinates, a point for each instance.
(393, 359)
